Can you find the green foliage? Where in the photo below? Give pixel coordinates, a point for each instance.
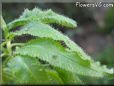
(48, 17)
(57, 56)
(28, 70)
(44, 59)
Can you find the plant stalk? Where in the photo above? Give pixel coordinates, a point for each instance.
(7, 40)
(9, 48)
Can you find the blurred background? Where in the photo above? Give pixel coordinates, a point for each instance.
(95, 31)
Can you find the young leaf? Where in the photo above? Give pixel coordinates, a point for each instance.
(47, 17)
(44, 30)
(52, 52)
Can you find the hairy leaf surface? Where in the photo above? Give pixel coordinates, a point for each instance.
(44, 30)
(52, 52)
(51, 57)
(48, 17)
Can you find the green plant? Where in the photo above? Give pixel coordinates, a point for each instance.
(50, 57)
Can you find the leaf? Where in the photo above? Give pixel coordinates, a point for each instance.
(52, 52)
(27, 70)
(108, 73)
(39, 29)
(44, 30)
(47, 17)
(17, 22)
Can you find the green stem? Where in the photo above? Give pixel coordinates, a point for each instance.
(4, 27)
(3, 24)
(7, 40)
(17, 44)
(9, 47)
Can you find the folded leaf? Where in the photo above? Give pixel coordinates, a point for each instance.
(44, 30)
(52, 52)
(48, 17)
